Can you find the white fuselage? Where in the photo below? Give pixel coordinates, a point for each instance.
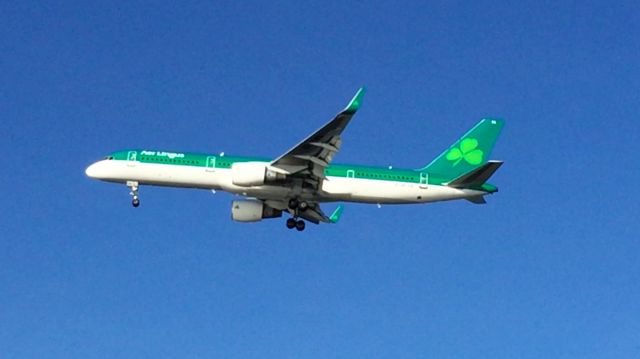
(345, 189)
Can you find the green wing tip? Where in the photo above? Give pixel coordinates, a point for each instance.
(335, 216)
(356, 101)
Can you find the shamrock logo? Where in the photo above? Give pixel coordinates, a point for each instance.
(468, 151)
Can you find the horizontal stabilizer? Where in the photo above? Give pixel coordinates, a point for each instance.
(476, 177)
(476, 199)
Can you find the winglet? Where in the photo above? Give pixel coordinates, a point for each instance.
(353, 106)
(335, 216)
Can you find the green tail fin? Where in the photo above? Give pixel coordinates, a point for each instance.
(468, 153)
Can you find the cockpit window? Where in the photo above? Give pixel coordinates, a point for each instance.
(108, 158)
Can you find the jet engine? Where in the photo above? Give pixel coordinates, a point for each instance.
(252, 210)
(247, 174)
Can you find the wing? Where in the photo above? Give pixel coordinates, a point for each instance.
(309, 158)
(313, 213)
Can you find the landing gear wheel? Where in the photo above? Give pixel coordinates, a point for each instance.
(302, 206)
(291, 223)
(293, 203)
(133, 185)
(300, 225)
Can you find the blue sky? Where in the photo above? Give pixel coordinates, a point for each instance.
(548, 268)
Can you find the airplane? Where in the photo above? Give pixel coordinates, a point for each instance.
(302, 178)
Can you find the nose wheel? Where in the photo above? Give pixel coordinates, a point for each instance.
(133, 186)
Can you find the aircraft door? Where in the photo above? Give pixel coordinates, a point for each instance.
(351, 173)
(132, 158)
(424, 180)
(211, 164)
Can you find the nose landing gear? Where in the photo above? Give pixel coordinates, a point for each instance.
(133, 185)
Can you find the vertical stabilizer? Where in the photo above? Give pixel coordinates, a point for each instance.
(468, 153)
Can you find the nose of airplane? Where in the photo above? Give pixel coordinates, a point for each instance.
(93, 170)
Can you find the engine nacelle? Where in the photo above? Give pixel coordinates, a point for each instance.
(247, 174)
(252, 210)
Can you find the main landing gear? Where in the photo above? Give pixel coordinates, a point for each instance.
(297, 206)
(133, 185)
(295, 223)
